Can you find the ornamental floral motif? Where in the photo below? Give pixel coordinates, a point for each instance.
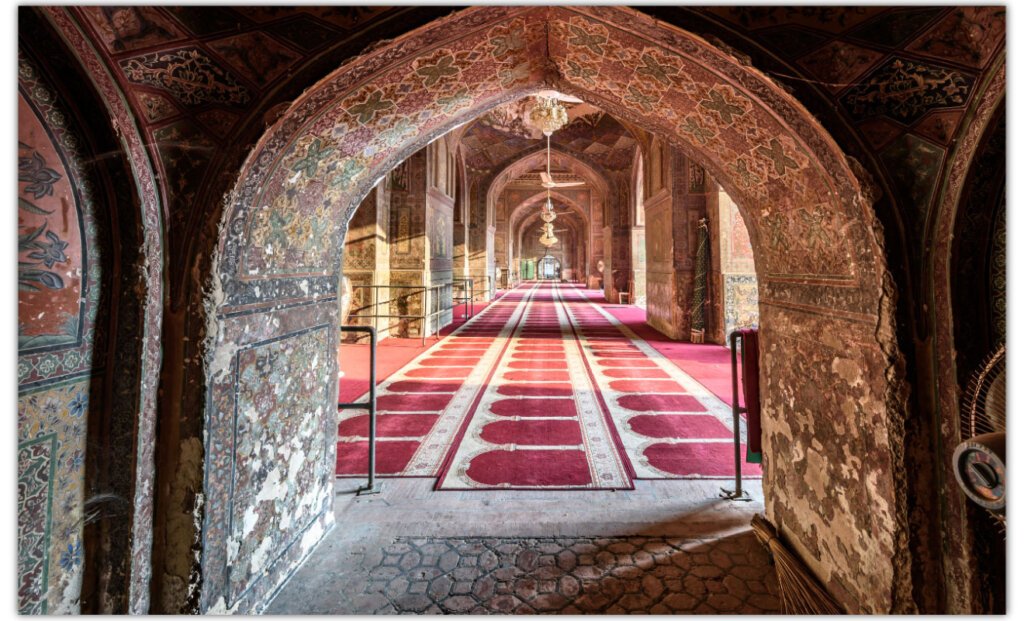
(49, 252)
(33, 170)
(47, 365)
(905, 90)
(71, 557)
(316, 153)
(189, 75)
(38, 246)
(725, 104)
(369, 107)
(508, 40)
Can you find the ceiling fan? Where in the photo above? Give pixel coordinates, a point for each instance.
(548, 182)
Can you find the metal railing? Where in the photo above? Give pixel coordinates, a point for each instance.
(738, 493)
(371, 487)
(465, 285)
(432, 308)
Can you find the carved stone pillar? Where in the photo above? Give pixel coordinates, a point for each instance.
(676, 191)
(365, 262)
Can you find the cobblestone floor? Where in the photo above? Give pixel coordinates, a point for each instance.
(430, 555)
(571, 576)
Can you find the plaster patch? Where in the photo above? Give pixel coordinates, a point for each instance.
(817, 473)
(848, 370)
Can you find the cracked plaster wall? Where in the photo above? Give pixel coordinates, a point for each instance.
(829, 403)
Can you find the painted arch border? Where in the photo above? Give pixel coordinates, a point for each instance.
(862, 302)
(843, 191)
(151, 281)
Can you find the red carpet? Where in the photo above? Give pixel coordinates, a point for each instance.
(548, 389)
(671, 424)
(417, 390)
(538, 424)
(392, 355)
(706, 363)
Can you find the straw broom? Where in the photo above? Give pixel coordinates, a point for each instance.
(799, 590)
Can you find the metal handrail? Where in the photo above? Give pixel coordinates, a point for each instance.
(433, 295)
(371, 487)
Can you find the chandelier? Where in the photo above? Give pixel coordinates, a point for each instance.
(547, 212)
(548, 238)
(548, 115)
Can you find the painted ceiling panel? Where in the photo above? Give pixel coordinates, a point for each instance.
(212, 74)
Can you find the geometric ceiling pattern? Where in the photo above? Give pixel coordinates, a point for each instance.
(891, 69)
(499, 138)
(203, 82)
(900, 78)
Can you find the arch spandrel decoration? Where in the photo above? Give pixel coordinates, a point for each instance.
(820, 263)
(352, 131)
(938, 250)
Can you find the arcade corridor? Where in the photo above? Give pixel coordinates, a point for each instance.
(542, 457)
(216, 204)
(545, 389)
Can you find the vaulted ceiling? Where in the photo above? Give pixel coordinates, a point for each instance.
(204, 82)
(500, 137)
(899, 79)
(894, 85)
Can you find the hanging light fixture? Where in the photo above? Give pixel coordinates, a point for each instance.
(548, 238)
(548, 115)
(547, 212)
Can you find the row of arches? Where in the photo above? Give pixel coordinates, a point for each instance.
(793, 167)
(836, 402)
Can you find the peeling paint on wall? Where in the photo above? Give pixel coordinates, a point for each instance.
(822, 264)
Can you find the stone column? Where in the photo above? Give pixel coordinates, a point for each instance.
(501, 254)
(676, 201)
(596, 270)
(421, 249)
(618, 257)
(637, 231)
(441, 184)
(480, 243)
(408, 248)
(638, 251)
(734, 280)
(365, 261)
(460, 235)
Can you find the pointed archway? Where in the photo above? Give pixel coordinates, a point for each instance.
(834, 416)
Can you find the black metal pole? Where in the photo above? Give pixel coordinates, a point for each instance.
(370, 405)
(736, 410)
(738, 493)
(371, 483)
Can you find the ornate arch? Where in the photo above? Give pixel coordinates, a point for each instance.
(531, 160)
(938, 253)
(135, 405)
(828, 327)
(521, 214)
